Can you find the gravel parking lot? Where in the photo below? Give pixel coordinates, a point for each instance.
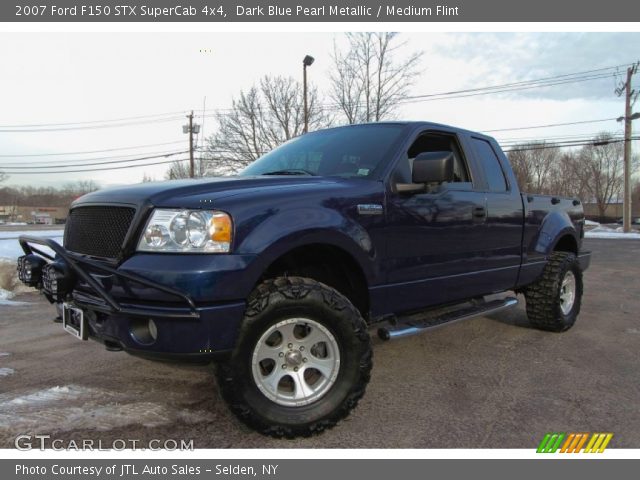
(489, 382)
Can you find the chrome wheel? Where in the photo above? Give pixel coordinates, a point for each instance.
(296, 362)
(567, 292)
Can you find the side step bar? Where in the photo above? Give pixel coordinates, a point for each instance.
(412, 327)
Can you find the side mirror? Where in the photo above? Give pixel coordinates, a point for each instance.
(433, 167)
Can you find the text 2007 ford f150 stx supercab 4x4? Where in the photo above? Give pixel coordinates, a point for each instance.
(278, 273)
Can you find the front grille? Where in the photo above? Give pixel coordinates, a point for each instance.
(97, 230)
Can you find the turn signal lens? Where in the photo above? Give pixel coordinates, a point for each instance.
(221, 228)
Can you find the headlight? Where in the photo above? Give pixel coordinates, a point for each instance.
(189, 231)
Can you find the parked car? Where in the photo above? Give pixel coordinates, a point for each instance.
(278, 274)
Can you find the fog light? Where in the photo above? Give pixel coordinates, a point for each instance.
(145, 332)
(57, 280)
(30, 269)
(153, 330)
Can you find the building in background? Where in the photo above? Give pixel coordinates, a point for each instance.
(35, 215)
(612, 212)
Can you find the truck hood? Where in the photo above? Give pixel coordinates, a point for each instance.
(191, 193)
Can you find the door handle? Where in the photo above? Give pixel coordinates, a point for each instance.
(479, 213)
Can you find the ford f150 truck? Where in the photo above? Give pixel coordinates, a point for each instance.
(278, 273)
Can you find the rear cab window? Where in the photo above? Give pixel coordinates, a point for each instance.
(493, 172)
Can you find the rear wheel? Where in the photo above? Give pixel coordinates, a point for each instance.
(302, 361)
(553, 302)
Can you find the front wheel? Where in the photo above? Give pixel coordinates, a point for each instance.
(553, 302)
(302, 361)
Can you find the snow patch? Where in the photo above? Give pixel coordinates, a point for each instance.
(5, 295)
(591, 223)
(4, 354)
(10, 249)
(5, 299)
(5, 372)
(54, 394)
(74, 407)
(14, 234)
(610, 233)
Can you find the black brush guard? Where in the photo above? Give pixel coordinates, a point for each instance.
(111, 305)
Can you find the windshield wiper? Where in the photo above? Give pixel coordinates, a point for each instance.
(290, 171)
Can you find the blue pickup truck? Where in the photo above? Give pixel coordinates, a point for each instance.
(279, 273)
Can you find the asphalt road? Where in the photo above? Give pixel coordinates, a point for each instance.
(490, 382)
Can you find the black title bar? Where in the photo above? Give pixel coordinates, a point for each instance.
(320, 11)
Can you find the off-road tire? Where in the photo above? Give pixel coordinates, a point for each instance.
(292, 297)
(543, 297)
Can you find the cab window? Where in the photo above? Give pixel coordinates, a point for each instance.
(433, 142)
(491, 166)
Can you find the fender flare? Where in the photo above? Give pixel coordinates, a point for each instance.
(554, 227)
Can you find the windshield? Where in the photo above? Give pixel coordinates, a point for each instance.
(354, 151)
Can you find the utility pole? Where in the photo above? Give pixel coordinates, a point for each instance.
(630, 97)
(191, 128)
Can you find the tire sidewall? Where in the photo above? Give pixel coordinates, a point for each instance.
(570, 264)
(322, 306)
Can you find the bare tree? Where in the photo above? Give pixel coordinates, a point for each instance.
(565, 179)
(28, 195)
(79, 188)
(521, 165)
(180, 169)
(146, 178)
(635, 195)
(600, 166)
(260, 119)
(371, 78)
(535, 165)
(3, 176)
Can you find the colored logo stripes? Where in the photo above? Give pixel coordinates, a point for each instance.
(574, 442)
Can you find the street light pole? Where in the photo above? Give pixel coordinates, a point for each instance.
(306, 62)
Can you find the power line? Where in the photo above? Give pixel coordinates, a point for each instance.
(472, 92)
(579, 122)
(506, 90)
(563, 77)
(564, 143)
(556, 137)
(90, 127)
(530, 127)
(582, 76)
(115, 159)
(31, 125)
(574, 77)
(572, 138)
(577, 144)
(21, 155)
(541, 147)
(101, 169)
(84, 164)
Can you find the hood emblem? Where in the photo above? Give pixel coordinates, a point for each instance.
(370, 209)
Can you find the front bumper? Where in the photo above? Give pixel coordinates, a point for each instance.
(121, 305)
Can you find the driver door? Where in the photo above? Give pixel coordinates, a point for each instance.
(434, 250)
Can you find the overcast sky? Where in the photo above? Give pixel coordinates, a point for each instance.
(52, 78)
